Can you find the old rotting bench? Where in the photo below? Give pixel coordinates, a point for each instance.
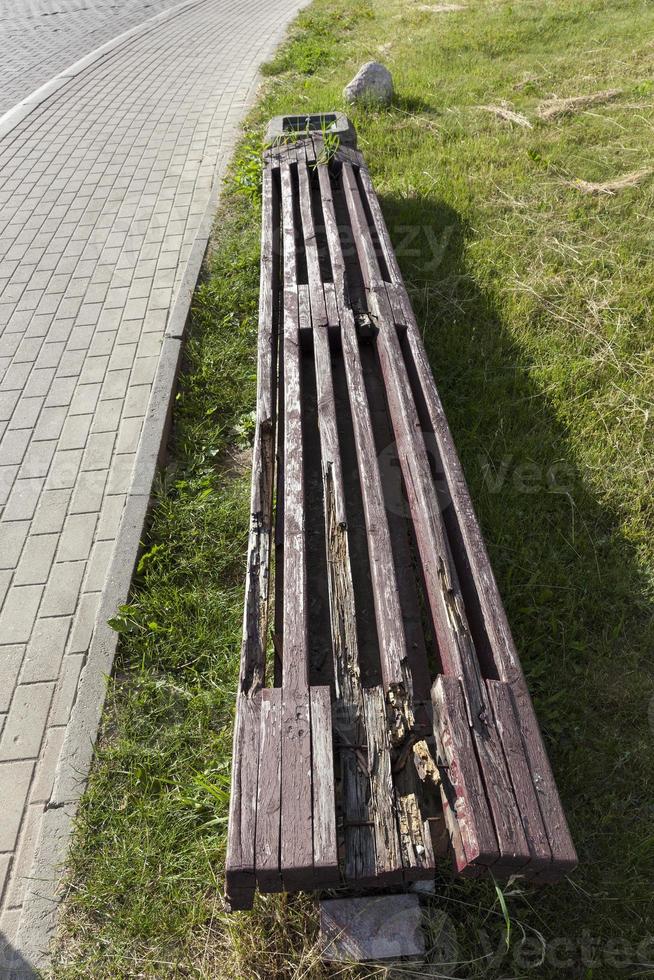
(382, 718)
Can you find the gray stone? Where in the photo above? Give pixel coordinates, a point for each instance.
(387, 927)
(373, 83)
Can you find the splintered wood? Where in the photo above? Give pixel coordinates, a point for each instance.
(382, 717)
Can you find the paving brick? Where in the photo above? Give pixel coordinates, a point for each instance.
(71, 364)
(99, 449)
(136, 402)
(5, 581)
(102, 344)
(11, 658)
(39, 382)
(66, 688)
(15, 377)
(44, 776)
(150, 345)
(94, 370)
(25, 727)
(22, 500)
(51, 511)
(107, 418)
(144, 370)
(128, 435)
(50, 355)
(115, 384)
(45, 650)
(22, 866)
(61, 392)
(13, 446)
(85, 399)
(8, 401)
(130, 331)
(98, 566)
(7, 478)
(19, 612)
(12, 539)
(120, 474)
(50, 423)
(122, 357)
(14, 785)
(5, 861)
(37, 459)
(89, 491)
(26, 413)
(77, 537)
(36, 559)
(9, 922)
(64, 469)
(63, 588)
(75, 432)
(112, 511)
(28, 350)
(84, 622)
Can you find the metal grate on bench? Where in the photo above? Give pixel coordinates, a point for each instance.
(382, 716)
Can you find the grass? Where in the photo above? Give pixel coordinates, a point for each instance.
(535, 298)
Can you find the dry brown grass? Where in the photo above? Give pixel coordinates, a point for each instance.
(557, 108)
(611, 186)
(506, 113)
(442, 8)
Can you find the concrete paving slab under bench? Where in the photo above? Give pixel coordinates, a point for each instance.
(371, 929)
(109, 180)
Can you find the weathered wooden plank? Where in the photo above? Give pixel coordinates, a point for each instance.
(564, 855)
(415, 836)
(480, 584)
(388, 852)
(318, 308)
(325, 844)
(297, 815)
(331, 306)
(295, 666)
(388, 614)
(399, 525)
(242, 814)
(278, 624)
(297, 808)
(269, 792)
(413, 820)
(255, 619)
(356, 788)
(240, 861)
(441, 584)
(467, 815)
(501, 701)
(511, 838)
(304, 316)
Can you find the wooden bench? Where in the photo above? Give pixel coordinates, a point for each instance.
(382, 716)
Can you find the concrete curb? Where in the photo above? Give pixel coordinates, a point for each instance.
(14, 116)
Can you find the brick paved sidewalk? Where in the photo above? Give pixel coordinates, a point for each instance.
(39, 38)
(104, 191)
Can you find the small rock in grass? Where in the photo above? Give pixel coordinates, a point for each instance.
(372, 83)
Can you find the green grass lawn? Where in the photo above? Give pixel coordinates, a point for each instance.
(535, 296)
